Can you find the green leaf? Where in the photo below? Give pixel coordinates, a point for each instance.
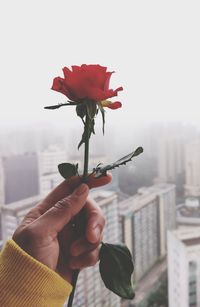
(102, 170)
(57, 106)
(116, 267)
(68, 170)
(137, 152)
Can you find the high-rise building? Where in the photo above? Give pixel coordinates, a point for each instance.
(192, 167)
(2, 182)
(90, 291)
(12, 215)
(146, 218)
(30, 174)
(18, 177)
(170, 157)
(171, 143)
(184, 267)
(48, 161)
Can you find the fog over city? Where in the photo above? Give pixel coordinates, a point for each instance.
(153, 203)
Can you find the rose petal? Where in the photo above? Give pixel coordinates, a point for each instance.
(107, 80)
(67, 72)
(76, 68)
(115, 105)
(60, 86)
(94, 67)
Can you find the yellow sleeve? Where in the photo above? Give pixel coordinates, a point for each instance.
(25, 282)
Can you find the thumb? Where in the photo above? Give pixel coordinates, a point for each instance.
(64, 210)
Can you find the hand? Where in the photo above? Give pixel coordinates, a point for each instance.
(47, 231)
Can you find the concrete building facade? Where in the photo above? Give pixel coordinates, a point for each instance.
(184, 267)
(146, 218)
(12, 215)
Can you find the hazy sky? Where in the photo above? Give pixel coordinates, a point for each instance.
(154, 47)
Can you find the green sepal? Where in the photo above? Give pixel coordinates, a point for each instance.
(91, 109)
(81, 110)
(68, 170)
(116, 267)
(88, 108)
(103, 117)
(91, 130)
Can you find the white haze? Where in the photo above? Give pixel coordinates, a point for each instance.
(153, 46)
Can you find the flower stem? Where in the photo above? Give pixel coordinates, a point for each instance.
(86, 154)
(84, 179)
(74, 281)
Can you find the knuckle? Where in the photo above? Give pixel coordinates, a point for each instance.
(26, 235)
(17, 233)
(29, 232)
(65, 203)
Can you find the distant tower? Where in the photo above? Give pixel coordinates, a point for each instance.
(18, 177)
(170, 158)
(48, 161)
(192, 166)
(2, 180)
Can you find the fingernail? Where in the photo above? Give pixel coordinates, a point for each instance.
(81, 189)
(96, 233)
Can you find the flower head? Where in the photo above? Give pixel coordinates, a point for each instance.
(86, 82)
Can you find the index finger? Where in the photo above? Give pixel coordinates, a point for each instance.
(67, 187)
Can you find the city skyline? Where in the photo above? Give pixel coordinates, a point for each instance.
(140, 205)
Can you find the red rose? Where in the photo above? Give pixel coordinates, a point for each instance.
(89, 82)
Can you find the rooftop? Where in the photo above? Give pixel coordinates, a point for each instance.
(189, 212)
(22, 204)
(156, 188)
(188, 235)
(103, 197)
(190, 242)
(145, 196)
